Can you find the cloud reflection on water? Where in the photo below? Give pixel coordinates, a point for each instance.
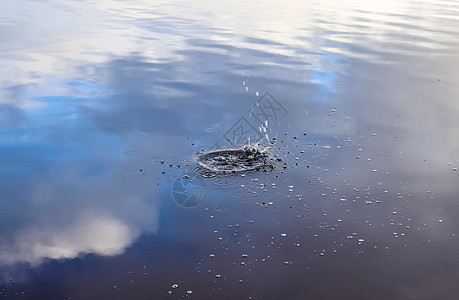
(359, 83)
(67, 187)
(62, 208)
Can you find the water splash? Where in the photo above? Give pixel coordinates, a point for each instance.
(247, 158)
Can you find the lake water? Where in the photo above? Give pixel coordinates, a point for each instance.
(104, 105)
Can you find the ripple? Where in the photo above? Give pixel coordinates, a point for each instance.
(247, 158)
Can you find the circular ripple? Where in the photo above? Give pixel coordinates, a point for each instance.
(248, 158)
(203, 172)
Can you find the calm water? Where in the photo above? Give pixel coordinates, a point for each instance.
(103, 105)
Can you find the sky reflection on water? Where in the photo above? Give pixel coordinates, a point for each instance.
(103, 105)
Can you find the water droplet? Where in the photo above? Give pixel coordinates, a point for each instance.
(174, 286)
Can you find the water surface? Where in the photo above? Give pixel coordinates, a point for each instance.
(104, 104)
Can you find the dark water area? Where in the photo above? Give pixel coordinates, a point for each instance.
(104, 106)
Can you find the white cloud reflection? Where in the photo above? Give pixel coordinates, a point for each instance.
(89, 234)
(75, 208)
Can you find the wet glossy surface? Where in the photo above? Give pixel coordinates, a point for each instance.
(104, 104)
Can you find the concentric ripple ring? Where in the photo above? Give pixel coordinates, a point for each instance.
(247, 158)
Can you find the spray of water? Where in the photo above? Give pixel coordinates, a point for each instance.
(251, 157)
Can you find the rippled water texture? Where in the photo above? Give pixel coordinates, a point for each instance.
(105, 105)
(238, 160)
